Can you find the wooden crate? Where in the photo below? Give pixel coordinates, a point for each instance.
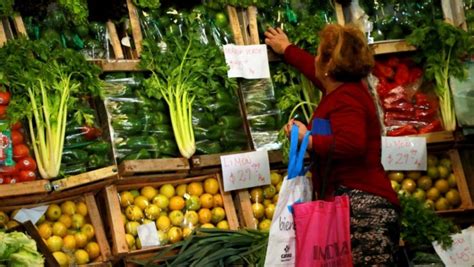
(243, 205)
(11, 28)
(116, 225)
(453, 11)
(146, 168)
(95, 220)
(37, 187)
(110, 172)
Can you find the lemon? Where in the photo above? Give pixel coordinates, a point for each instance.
(53, 212)
(77, 221)
(211, 186)
(148, 192)
(133, 213)
(152, 211)
(193, 203)
(205, 216)
(163, 237)
(453, 197)
(61, 258)
(191, 218)
(163, 223)
(81, 208)
(45, 230)
(275, 178)
(218, 201)
(81, 239)
(181, 189)
(81, 256)
(208, 225)
(69, 242)
(131, 228)
(88, 230)
(187, 231)
(269, 211)
(92, 248)
(130, 239)
(68, 207)
(59, 229)
(218, 214)
(175, 234)
(141, 202)
(126, 199)
(442, 185)
(258, 210)
(256, 195)
(265, 225)
(176, 217)
(54, 243)
(161, 201)
(195, 189)
(223, 225)
(207, 201)
(66, 220)
(167, 190)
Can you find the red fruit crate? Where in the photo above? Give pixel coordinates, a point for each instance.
(118, 200)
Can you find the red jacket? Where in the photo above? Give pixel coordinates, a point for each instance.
(356, 159)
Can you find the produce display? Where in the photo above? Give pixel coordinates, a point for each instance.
(436, 187)
(140, 127)
(17, 249)
(66, 230)
(408, 105)
(264, 200)
(175, 210)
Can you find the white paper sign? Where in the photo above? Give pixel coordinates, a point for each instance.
(33, 214)
(245, 170)
(148, 235)
(247, 61)
(461, 254)
(404, 153)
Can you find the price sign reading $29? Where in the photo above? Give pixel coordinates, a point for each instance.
(404, 153)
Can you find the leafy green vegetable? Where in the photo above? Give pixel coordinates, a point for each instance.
(147, 4)
(215, 247)
(420, 225)
(6, 8)
(220, 4)
(443, 49)
(18, 250)
(77, 9)
(45, 81)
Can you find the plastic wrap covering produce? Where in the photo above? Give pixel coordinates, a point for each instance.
(387, 20)
(17, 163)
(174, 210)
(463, 96)
(85, 146)
(140, 127)
(216, 117)
(263, 115)
(407, 105)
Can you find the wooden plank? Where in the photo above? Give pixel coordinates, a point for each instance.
(3, 34)
(8, 28)
(41, 245)
(25, 188)
(253, 25)
(235, 25)
(80, 190)
(114, 40)
(453, 12)
(391, 46)
(19, 26)
(437, 137)
(110, 172)
(244, 207)
(466, 201)
(339, 14)
(131, 167)
(136, 29)
(231, 214)
(115, 222)
(100, 237)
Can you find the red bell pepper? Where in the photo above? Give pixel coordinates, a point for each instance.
(402, 75)
(404, 130)
(431, 127)
(382, 70)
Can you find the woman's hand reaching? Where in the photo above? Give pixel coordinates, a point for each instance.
(302, 129)
(277, 40)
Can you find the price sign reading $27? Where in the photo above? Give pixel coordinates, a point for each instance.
(245, 170)
(404, 153)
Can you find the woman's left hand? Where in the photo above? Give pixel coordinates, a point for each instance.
(302, 129)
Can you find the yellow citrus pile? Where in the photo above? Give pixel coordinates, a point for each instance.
(66, 230)
(175, 210)
(436, 186)
(264, 200)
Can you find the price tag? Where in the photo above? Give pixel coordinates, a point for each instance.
(148, 235)
(33, 214)
(461, 254)
(245, 170)
(404, 153)
(247, 61)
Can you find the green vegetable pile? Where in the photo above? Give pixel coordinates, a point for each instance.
(45, 82)
(420, 225)
(19, 250)
(220, 4)
(443, 48)
(6, 8)
(147, 4)
(215, 247)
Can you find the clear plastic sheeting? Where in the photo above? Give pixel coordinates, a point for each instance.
(463, 95)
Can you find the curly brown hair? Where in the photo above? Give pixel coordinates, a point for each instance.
(345, 53)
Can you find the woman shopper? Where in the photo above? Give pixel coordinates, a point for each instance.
(343, 61)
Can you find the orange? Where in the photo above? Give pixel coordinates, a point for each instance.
(256, 195)
(81, 239)
(66, 220)
(442, 185)
(264, 225)
(61, 258)
(45, 230)
(141, 202)
(211, 186)
(181, 189)
(81, 208)
(409, 185)
(424, 182)
(205, 216)
(275, 178)
(69, 242)
(433, 194)
(195, 189)
(133, 213)
(149, 192)
(218, 201)
(92, 248)
(452, 180)
(442, 204)
(269, 191)
(177, 203)
(81, 256)
(207, 201)
(453, 197)
(59, 229)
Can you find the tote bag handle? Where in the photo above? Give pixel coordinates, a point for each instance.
(296, 157)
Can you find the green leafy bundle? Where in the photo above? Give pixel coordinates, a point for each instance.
(443, 48)
(147, 4)
(77, 9)
(45, 81)
(6, 8)
(215, 247)
(420, 225)
(18, 249)
(220, 4)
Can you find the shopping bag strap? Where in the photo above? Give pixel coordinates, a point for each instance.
(296, 157)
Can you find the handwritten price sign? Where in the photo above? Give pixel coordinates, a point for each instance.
(461, 253)
(245, 170)
(247, 61)
(404, 153)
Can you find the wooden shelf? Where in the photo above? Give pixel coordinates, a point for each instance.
(437, 137)
(153, 167)
(25, 188)
(391, 46)
(117, 65)
(85, 178)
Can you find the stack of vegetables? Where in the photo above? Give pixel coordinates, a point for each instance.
(45, 81)
(140, 126)
(407, 107)
(202, 102)
(18, 249)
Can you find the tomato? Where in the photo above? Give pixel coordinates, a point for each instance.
(17, 137)
(4, 98)
(3, 111)
(27, 163)
(9, 180)
(20, 151)
(17, 126)
(27, 176)
(8, 170)
(91, 133)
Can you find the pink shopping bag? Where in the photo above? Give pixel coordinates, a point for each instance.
(323, 233)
